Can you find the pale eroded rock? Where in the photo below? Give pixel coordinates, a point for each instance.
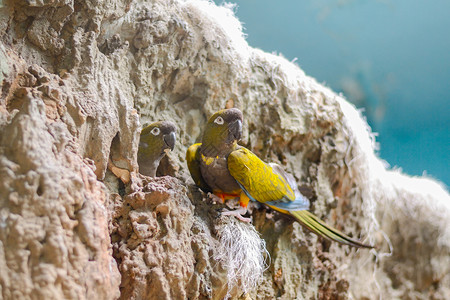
(79, 79)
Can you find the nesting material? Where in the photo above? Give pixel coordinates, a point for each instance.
(242, 253)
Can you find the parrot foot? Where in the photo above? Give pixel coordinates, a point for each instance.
(215, 199)
(238, 214)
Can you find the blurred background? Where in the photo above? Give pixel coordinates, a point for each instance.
(390, 58)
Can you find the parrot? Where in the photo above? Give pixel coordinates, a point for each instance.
(218, 165)
(155, 141)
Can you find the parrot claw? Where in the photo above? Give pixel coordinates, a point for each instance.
(238, 214)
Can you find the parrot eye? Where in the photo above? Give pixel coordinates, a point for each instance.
(219, 120)
(155, 131)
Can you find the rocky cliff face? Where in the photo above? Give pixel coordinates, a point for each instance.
(78, 81)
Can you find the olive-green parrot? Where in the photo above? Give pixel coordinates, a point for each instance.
(220, 166)
(156, 140)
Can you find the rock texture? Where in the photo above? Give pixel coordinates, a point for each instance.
(78, 81)
(54, 239)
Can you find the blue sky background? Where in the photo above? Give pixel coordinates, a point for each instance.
(391, 58)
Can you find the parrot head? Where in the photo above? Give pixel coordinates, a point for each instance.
(156, 140)
(223, 131)
(158, 137)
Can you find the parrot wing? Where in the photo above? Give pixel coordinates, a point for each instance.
(271, 185)
(193, 157)
(263, 182)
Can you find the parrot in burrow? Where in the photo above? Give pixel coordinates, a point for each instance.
(156, 140)
(220, 166)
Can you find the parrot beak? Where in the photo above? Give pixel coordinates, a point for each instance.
(236, 130)
(169, 140)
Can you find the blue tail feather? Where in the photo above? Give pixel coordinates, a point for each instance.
(300, 202)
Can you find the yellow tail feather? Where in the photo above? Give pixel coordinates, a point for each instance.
(319, 227)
